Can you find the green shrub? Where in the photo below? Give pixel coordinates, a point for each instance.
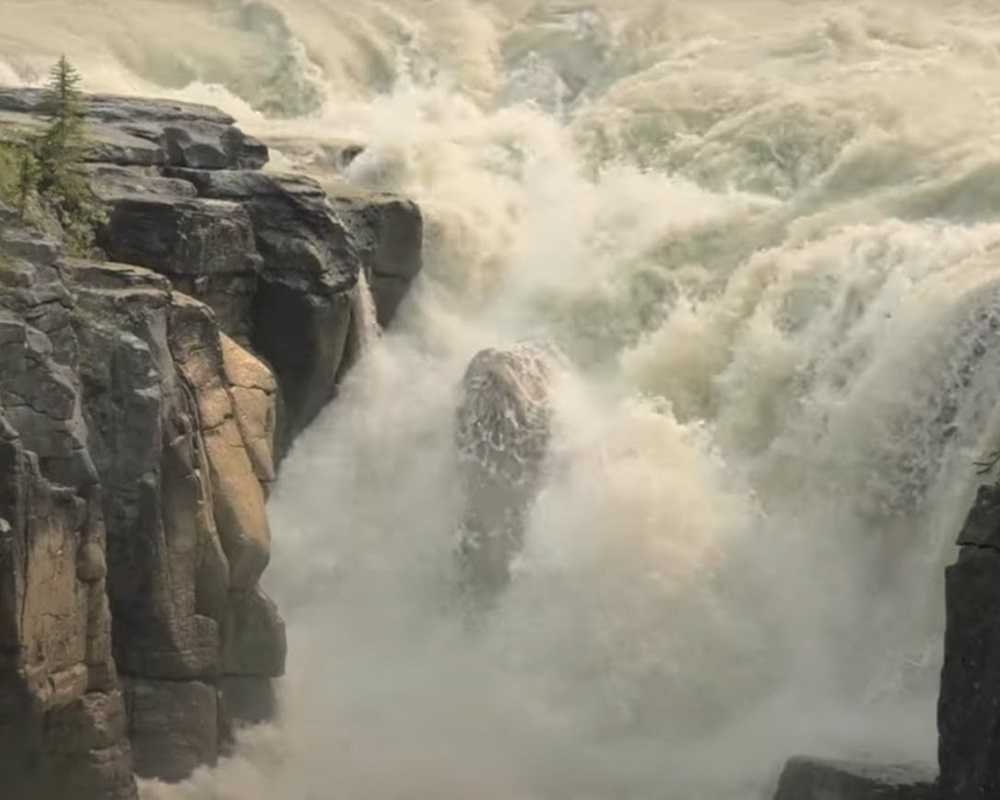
(8, 174)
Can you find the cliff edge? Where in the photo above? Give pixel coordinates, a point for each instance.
(145, 402)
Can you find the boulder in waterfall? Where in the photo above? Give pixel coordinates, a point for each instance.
(818, 779)
(503, 427)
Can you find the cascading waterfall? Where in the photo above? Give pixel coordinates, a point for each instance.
(765, 235)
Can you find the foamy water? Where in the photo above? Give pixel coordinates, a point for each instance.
(765, 234)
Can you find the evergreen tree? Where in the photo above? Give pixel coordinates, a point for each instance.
(61, 183)
(61, 146)
(42, 176)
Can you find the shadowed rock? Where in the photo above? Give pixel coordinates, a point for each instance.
(968, 710)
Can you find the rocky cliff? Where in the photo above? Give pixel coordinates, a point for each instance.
(969, 703)
(969, 699)
(145, 402)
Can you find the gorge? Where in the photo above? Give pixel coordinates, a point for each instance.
(763, 237)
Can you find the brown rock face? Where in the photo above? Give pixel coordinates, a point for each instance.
(62, 720)
(140, 435)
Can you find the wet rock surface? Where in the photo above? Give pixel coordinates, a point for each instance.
(816, 779)
(503, 427)
(145, 402)
(969, 702)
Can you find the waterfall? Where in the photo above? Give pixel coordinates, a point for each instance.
(764, 235)
(364, 318)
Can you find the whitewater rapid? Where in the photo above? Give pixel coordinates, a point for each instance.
(766, 235)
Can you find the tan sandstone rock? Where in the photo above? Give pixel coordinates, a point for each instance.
(254, 392)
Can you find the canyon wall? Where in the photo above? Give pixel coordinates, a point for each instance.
(145, 403)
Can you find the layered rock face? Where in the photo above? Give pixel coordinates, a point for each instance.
(503, 427)
(276, 258)
(63, 730)
(144, 405)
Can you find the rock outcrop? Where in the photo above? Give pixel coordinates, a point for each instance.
(276, 257)
(969, 702)
(815, 779)
(62, 715)
(145, 402)
(502, 434)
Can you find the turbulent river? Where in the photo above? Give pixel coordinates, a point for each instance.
(767, 236)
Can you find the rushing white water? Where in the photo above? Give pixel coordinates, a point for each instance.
(766, 234)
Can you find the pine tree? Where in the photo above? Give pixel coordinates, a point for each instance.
(62, 144)
(61, 184)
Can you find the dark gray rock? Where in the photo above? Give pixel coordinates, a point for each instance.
(116, 108)
(180, 236)
(982, 525)
(111, 182)
(969, 701)
(503, 426)
(173, 726)
(206, 248)
(146, 132)
(387, 231)
(302, 305)
(313, 248)
(302, 244)
(254, 637)
(816, 779)
(247, 701)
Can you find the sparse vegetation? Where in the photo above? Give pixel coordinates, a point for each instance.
(41, 174)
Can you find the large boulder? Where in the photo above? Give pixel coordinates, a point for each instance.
(816, 779)
(205, 247)
(503, 427)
